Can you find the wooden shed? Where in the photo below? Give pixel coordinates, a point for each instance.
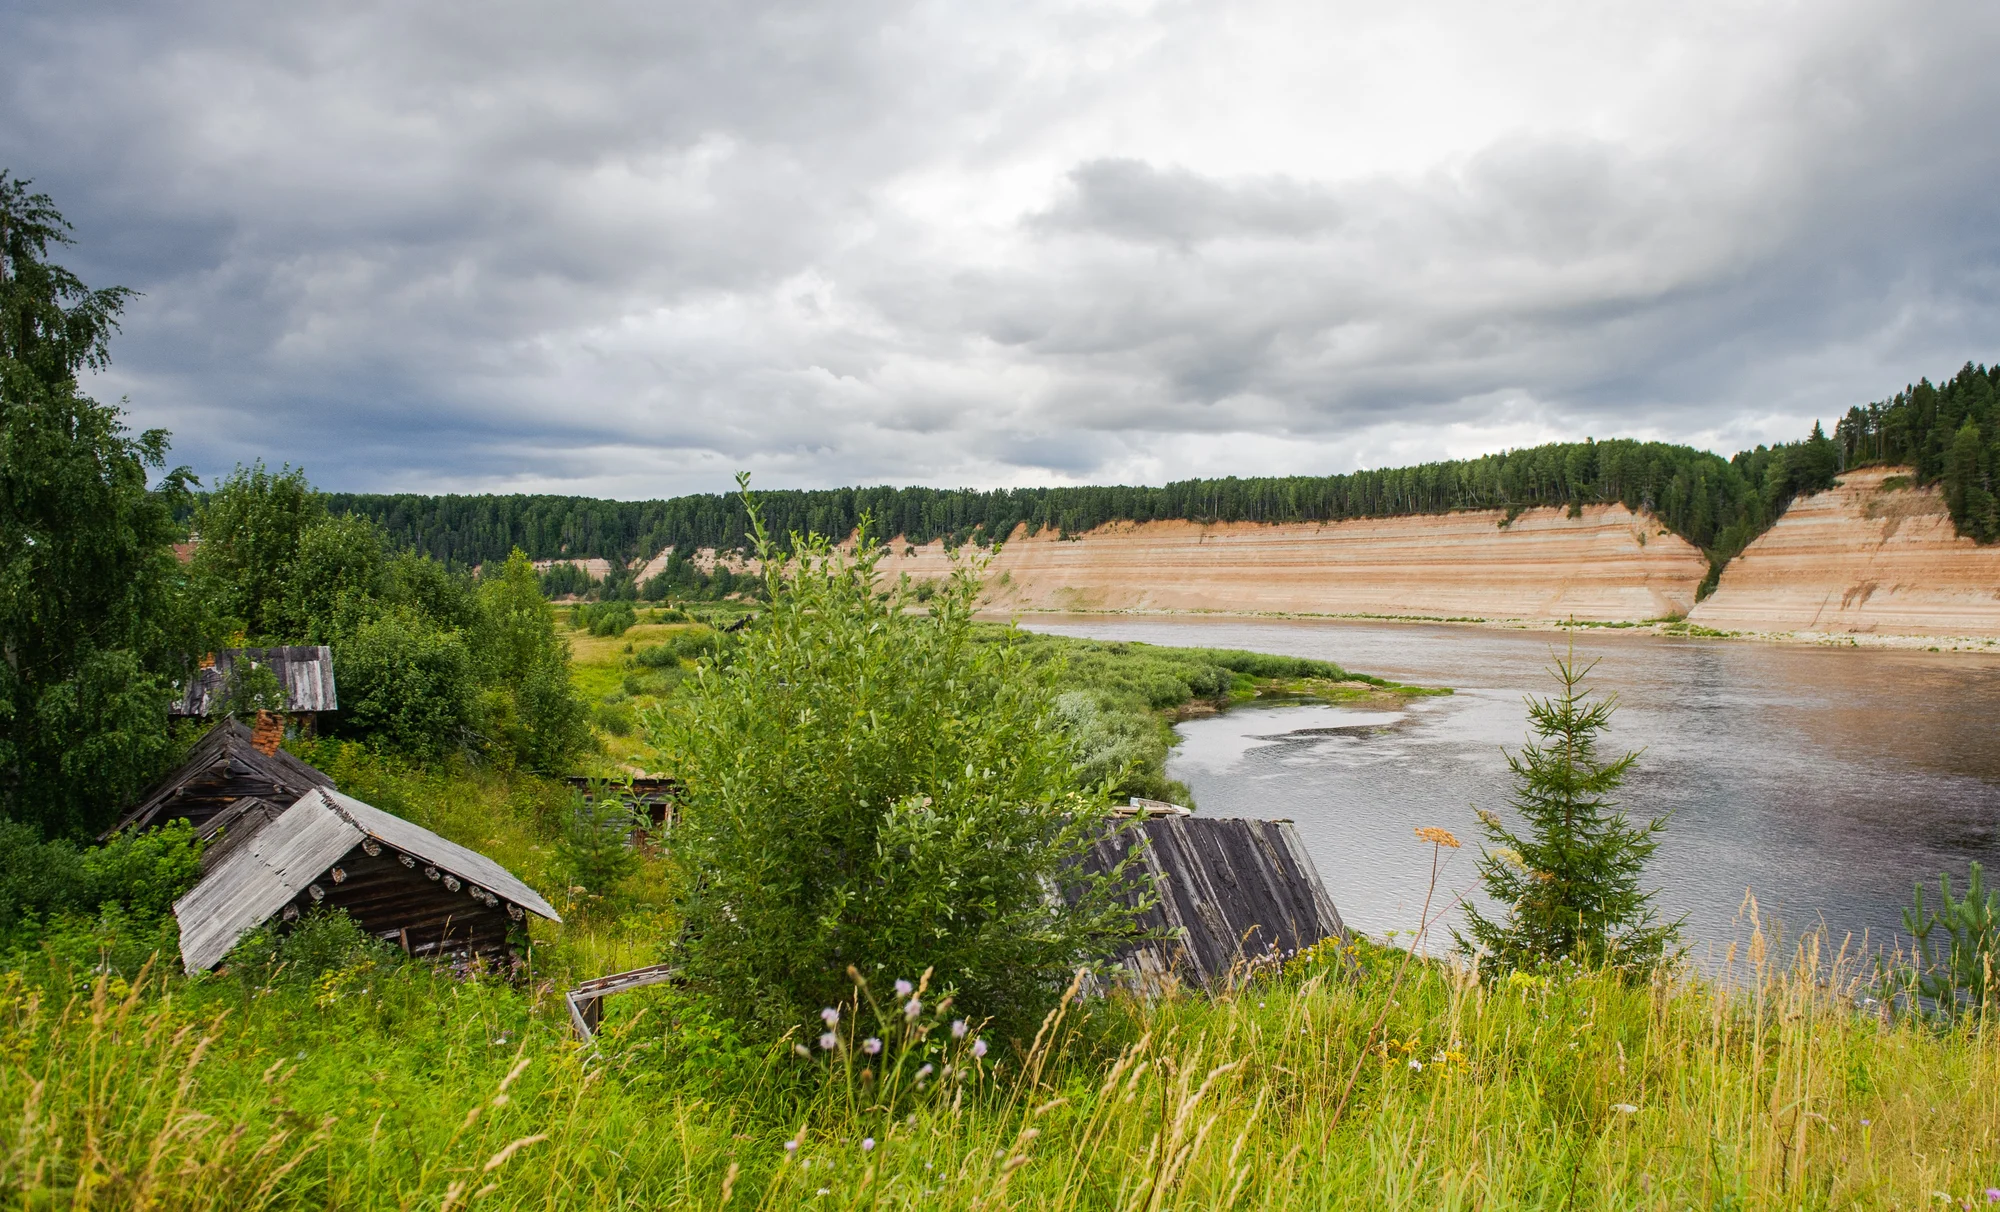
(305, 672)
(1235, 895)
(397, 880)
(228, 785)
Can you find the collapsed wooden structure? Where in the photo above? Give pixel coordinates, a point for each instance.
(651, 800)
(396, 880)
(279, 839)
(229, 786)
(1235, 896)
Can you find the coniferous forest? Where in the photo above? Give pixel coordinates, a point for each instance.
(1950, 433)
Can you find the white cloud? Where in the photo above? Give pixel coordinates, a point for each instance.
(630, 248)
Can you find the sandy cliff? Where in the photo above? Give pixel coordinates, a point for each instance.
(1861, 559)
(1607, 564)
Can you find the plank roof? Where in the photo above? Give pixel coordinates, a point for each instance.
(271, 866)
(1234, 894)
(304, 670)
(224, 766)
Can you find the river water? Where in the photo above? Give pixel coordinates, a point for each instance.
(1825, 781)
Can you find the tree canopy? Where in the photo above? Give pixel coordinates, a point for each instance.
(94, 626)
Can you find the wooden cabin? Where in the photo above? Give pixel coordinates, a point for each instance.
(398, 881)
(305, 672)
(232, 782)
(1235, 896)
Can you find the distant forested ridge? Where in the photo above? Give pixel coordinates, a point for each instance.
(1950, 433)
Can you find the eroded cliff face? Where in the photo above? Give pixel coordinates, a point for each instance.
(1861, 558)
(1606, 565)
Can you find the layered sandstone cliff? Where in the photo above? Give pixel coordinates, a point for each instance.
(1607, 564)
(1865, 557)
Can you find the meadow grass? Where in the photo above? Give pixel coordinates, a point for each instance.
(387, 1085)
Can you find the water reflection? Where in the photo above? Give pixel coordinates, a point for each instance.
(1824, 780)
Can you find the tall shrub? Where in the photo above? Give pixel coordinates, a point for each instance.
(530, 706)
(1570, 881)
(868, 785)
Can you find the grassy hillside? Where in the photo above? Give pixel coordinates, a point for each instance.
(345, 1077)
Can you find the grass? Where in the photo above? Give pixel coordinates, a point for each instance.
(382, 1085)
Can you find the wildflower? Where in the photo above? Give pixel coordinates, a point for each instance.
(924, 1072)
(1624, 1108)
(829, 1041)
(958, 1028)
(1437, 837)
(913, 1009)
(1489, 818)
(821, 1191)
(903, 988)
(791, 1146)
(979, 1047)
(867, 1144)
(830, 1017)
(1993, 1195)
(1416, 1066)
(871, 1045)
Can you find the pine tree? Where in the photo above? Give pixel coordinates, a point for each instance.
(1571, 882)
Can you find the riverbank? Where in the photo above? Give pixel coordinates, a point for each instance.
(1668, 628)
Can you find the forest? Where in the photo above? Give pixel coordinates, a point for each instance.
(1950, 433)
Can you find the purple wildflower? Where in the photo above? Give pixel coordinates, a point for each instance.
(924, 1072)
(903, 988)
(958, 1028)
(829, 1041)
(979, 1047)
(1993, 1195)
(913, 1009)
(871, 1045)
(830, 1017)
(867, 1144)
(791, 1146)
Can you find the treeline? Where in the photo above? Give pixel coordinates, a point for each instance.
(1950, 433)
(1696, 493)
(1717, 504)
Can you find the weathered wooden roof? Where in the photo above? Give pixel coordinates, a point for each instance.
(223, 767)
(273, 864)
(1234, 894)
(305, 671)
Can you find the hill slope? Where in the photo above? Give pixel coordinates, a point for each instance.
(1604, 564)
(1872, 555)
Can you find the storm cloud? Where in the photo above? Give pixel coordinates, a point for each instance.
(629, 249)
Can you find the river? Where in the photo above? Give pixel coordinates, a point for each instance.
(1823, 780)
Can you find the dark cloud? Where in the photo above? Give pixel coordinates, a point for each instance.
(629, 248)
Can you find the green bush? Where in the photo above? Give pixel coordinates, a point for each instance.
(606, 618)
(408, 686)
(614, 718)
(530, 708)
(870, 786)
(139, 875)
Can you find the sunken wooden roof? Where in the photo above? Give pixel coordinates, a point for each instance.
(1234, 895)
(221, 770)
(393, 876)
(305, 671)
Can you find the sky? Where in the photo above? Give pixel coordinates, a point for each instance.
(629, 249)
